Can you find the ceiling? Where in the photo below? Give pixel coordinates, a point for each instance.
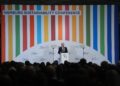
(59, 2)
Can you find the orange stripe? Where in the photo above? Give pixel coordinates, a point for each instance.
(46, 26)
(73, 7)
(74, 28)
(59, 7)
(74, 25)
(60, 24)
(2, 37)
(81, 25)
(60, 27)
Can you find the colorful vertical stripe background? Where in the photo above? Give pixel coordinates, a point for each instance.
(96, 27)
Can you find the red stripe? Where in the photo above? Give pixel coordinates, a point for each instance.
(52, 24)
(24, 7)
(31, 27)
(52, 7)
(3, 36)
(2, 7)
(67, 28)
(31, 7)
(66, 7)
(24, 33)
(24, 29)
(0, 10)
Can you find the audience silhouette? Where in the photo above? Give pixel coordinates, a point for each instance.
(67, 74)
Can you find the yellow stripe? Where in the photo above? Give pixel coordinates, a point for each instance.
(10, 37)
(46, 26)
(74, 28)
(73, 25)
(45, 7)
(9, 7)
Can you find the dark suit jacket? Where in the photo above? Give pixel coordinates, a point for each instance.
(61, 51)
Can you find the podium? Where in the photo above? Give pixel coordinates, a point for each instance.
(64, 57)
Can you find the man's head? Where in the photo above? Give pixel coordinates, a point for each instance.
(62, 44)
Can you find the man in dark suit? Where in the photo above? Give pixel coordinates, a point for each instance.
(62, 49)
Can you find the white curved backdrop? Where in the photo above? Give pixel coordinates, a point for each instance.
(46, 53)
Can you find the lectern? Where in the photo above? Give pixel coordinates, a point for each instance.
(64, 57)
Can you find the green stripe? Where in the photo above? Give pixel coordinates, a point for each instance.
(17, 23)
(102, 34)
(88, 25)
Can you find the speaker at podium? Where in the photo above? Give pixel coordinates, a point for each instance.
(64, 57)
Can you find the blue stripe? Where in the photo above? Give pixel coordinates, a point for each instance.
(38, 7)
(39, 33)
(109, 44)
(95, 32)
(116, 32)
